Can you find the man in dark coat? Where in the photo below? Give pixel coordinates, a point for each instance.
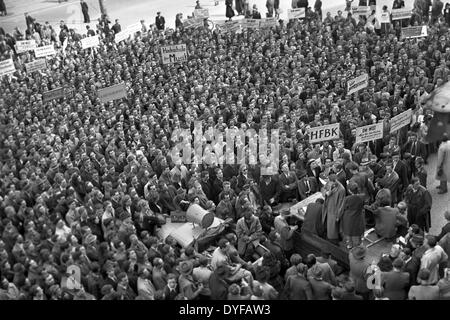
(160, 21)
(229, 13)
(297, 286)
(85, 11)
(307, 186)
(395, 283)
(402, 171)
(419, 203)
(270, 190)
(313, 218)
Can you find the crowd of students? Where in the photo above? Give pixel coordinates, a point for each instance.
(86, 185)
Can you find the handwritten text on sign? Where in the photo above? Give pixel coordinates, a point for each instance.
(398, 14)
(44, 51)
(250, 23)
(296, 13)
(400, 120)
(369, 133)
(7, 67)
(90, 42)
(201, 13)
(112, 93)
(414, 32)
(361, 11)
(323, 133)
(358, 83)
(36, 65)
(173, 54)
(25, 45)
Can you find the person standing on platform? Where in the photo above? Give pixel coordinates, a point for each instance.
(85, 11)
(352, 217)
(443, 165)
(229, 13)
(419, 203)
(160, 22)
(334, 194)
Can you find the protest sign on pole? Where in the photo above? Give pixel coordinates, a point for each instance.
(201, 13)
(44, 51)
(268, 22)
(6, 67)
(112, 93)
(369, 133)
(36, 65)
(90, 42)
(385, 17)
(414, 32)
(174, 53)
(25, 45)
(400, 120)
(296, 13)
(398, 14)
(250, 23)
(361, 11)
(323, 133)
(358, 83)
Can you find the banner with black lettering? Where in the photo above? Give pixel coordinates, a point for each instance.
(385, 17)
(90, 42)
(6, 67)
(358, 83)
(201, 13)
(250, 23)
(296, 13)
(25, 45)
(369, 133)
(414, 32)
(361, 11)
(57, 93)
(36, 65)
(44, 51)
(268, 22)
(323, 133)
(174, 53)
(400, 120)
(399, 14)
(112, 93)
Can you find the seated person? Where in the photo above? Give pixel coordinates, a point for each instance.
(307, 186)
(386, 217)
(248, 231)
(313, 218)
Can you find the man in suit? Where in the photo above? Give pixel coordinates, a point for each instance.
(297, 286)
(160, 21)
(416, 149)
(288, 184)
(400, 168)
(313, 218)
(269, 189)
(341, 175)
(313, 170)
(307, 186)
(389, 181)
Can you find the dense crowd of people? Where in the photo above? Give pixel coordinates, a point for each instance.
(86, 185)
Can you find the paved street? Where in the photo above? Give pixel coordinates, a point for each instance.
(131, 11)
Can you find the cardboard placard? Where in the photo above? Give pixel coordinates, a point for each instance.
(90, 42)
(400, 120)
(25, 45)
(178, 216)
(369, 133)
(385, 17)
(36, 65)
(414, 32)
(296, 13)
(398, 14)
(358, 83)
(201, 13)
(268, 22)
(193, 23)
(6, 67)
(112, 93)
(44, 51)
(323, 133)
(174, 53)
(361, 11)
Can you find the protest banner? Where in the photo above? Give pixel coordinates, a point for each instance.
(120, 36)
(361, 11)
(385, 17)
(174, 53)
(250, 23)
(231, 26)
(133, 28)
(193, 23)
(358, 83)
(90, 42)
(323, 133)
(268, 22)
(53, 94)
(112, 93)
(44, 51)
(201, 13)
(400, 120)
(398, 14)
(414, 32)
(296, 13)
(25, 45)
(369, 133)
(7, 67)
(36, 65)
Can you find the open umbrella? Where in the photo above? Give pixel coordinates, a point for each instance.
(439, 102)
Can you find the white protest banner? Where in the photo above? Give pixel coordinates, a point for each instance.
(231, 26)
(358, 83)
(398, 14)
(385, 17)
(53, 94)
(193, 23)
(25, 45)
(361, 11)
(7, 67)
(111, 93)
(414, 32)
(250, 23)
(44, 51)
(36, 65)
(90, 42)
(323, 133)
(201, 13)
(369, 133)
(133, 28)
(120, 36)
(296, 13)
(400, 120)
(173, 54)
(268, 22)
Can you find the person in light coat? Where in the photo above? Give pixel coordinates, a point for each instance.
(443, 164)
(432, 258)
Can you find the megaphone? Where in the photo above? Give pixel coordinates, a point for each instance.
(196, 214)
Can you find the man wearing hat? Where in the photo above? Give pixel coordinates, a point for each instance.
(188, 287)
(358, 270)
(334, 194)
(297, 286)
(321, 289)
